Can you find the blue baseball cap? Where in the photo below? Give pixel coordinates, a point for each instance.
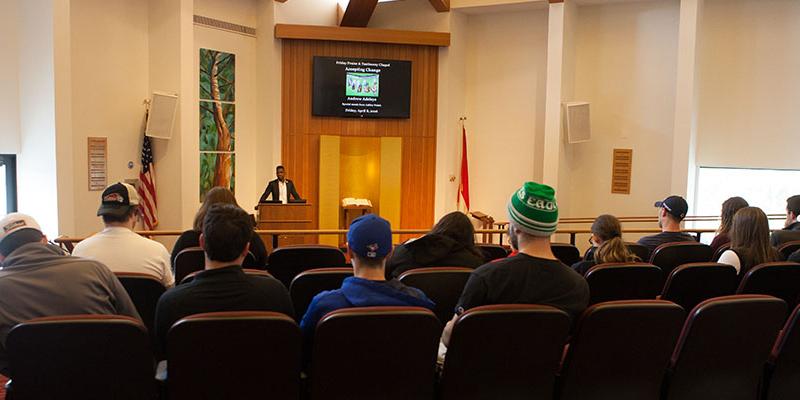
(370, 236)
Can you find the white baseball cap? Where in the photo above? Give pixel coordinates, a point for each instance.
(15, 222)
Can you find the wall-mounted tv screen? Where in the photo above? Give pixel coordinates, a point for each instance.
(361, 88)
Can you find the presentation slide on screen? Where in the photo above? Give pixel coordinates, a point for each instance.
(349, 87)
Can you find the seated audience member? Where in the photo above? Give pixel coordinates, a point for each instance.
(191, 238)
(534, 275)
(223, 285)
(369, 242)
(38, 280)
(794, 257)
(729, 209)
(791, 228)
(671, 212)
(749, 241)
(512, 244)
(450, 243)
(117, 245)
(607, 245)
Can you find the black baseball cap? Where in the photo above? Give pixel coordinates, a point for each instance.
(117, 199)
(675, 205)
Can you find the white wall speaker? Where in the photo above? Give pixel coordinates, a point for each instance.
(162, 115)
(577, 122)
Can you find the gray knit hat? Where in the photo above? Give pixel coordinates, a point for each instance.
(533, 209)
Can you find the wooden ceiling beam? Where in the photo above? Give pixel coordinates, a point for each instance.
(364, 35)
(358, 13)
(441, 5)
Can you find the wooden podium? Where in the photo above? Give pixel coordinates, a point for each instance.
(292, 216)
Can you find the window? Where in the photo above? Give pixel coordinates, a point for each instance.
(763, 188)
(8, 183)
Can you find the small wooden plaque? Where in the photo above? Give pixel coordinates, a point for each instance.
(97, 156)
(621, 169)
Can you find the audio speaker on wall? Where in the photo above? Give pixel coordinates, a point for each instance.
(578, 124)
(162, 115)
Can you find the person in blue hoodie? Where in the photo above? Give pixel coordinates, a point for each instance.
(369, 242)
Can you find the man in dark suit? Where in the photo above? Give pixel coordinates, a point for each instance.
(280, 189)
(791, 228)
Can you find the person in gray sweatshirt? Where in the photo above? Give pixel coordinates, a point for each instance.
(39, 280)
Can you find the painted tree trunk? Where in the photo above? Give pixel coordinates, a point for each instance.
(223, 172)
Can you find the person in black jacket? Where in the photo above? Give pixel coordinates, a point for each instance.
(450, 243)
(191, 238)
(281, 189)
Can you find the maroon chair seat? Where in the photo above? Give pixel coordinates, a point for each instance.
(375, 353)
(566, 253)
(690, 284)
(234, 355)
(623, 281)
(723, 347)
(788, 248)
(311, 282)
(620, 350)
(782, 378)
(80, 357)
(669, 256)
(289, 261)
(779, 279)
(443, 285)
(508, 351)
(492, 251)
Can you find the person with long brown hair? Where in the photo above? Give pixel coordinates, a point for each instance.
(749, 241)
(450, 243)
(191, 238)
(607, 245)
(729, 209)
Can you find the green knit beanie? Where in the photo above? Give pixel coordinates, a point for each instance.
(533, 209)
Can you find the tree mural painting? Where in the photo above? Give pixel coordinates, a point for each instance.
(217, 116)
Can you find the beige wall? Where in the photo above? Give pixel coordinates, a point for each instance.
(110, 71)
(9, 79)
(504, 103)
(749, 83)
(625, 67)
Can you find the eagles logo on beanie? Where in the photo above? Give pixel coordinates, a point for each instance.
(533, 209)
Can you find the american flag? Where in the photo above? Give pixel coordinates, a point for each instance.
(147, 187)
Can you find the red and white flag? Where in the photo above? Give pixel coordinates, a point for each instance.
(147, 187)
(463, 186)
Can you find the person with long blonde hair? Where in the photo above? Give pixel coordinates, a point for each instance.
(191, 238)
(749, 241)
(607, 245)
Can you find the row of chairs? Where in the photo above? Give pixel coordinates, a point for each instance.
(727, 348)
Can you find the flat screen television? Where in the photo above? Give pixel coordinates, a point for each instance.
(361, 88)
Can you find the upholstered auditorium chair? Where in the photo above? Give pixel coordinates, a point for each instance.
(144, 290)
(287, 262)
(779, 279)
(386, 353)
(692, 283)
(248, 271)
(80, 357)
(624, 281)
(639, 251)
(669, 256)
(788, 248)
(723, 347)
(234, 355)
(782, 379)
(620, 350)
(188, 260)
(492, 251)
(443, 285)
(566, 253)
(717, 254)
(311, 282)
(509, 351)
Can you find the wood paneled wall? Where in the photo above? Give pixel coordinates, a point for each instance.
(301, 130)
